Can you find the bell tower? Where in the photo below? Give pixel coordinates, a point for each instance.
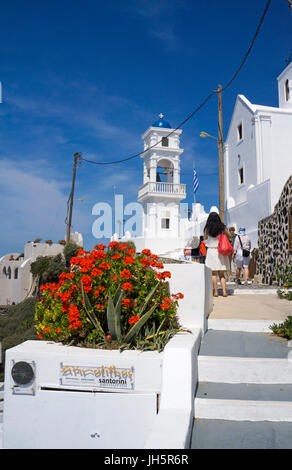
(161, 191)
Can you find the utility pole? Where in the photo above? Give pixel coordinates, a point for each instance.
(77, 159)
(221, 154)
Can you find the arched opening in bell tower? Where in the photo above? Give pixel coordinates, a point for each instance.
(164, 171)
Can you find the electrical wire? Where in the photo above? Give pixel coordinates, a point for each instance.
(250, 47)
(157, 143)
(198, 107)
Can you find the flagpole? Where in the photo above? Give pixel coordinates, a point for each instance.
(195, 187)
(193, 183)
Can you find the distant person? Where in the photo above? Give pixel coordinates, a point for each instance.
(188, 251)
(196, 249)
(232, 235)
(202, 249)
(214, 260)
(242, 246)
(231, 259)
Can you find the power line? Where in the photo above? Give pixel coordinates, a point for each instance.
(198, 107)
(154, 145)
(250, 47)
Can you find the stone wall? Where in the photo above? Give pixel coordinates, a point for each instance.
(275, 237)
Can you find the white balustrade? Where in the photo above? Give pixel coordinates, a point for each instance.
(166, 188)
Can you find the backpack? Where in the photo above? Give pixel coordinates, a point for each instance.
(224, 246)
(203, 249)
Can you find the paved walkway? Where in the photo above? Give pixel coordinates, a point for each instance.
(251, 307)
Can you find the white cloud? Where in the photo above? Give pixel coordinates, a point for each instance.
(31, 206)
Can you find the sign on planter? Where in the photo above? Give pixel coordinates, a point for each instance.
(99, 377)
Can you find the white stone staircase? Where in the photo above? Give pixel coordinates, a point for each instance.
(244, 390)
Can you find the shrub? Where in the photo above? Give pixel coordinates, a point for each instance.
(111, 298)
(283, 329)
(48, 268)
(71, 249)
(17, 326)
(284, 278)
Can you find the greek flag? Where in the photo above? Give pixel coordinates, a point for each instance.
(195, 180)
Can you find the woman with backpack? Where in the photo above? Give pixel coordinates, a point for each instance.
(214, 260)
(242, 246)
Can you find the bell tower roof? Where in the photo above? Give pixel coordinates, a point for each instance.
(161, 122)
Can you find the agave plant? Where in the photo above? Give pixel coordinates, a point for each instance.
(114, 298)
(114, 316)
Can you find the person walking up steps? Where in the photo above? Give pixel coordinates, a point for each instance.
(231, 258)
(242, 246)
(214, 260)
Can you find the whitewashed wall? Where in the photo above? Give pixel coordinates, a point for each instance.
(264, 153)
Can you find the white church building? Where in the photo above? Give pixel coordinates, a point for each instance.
(257, 157)
(16, 280)
(165, 228)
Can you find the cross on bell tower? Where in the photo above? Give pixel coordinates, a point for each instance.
(161, 191)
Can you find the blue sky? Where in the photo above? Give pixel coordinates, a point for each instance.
(92, 76)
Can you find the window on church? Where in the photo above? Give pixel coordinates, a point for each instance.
(287, 91)
(164, 142)
(240, 176)
(164, 223)
(16, 273)
(239, 132)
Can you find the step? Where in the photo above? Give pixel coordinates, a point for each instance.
(244, 401)
(252, 370)
(245, 391)
(243, 410)
(249, 326)
(226, 434)
(243, 344)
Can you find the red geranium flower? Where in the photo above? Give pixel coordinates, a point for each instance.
(123, 246)
(104, 265)
(96, 272)
(146, 252)
(113, 244)
(127, 286)
(126, 274)
(100, 247)
(129, 260)
(86, 280)
(133, 319)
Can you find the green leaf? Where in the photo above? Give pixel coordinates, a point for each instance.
(88, 309)
(114, 315)
(117, 295)
(136, 328)
(151, 293)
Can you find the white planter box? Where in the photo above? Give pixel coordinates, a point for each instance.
(90, 398)
(66, 406)
(80, 397)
